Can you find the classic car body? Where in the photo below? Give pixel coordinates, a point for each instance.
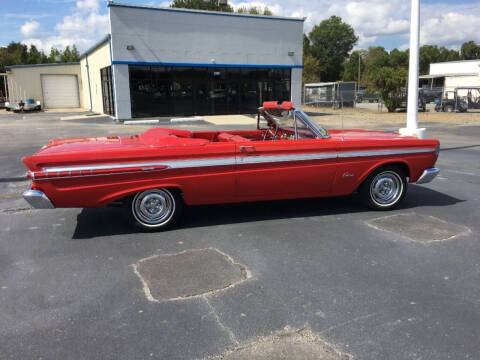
(162, 168)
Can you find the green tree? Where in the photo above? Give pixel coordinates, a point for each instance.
(75, 54)
(35, 57)
(70, 55)
(375, 59)
(388, 82)
(448, 55)
(55, 55)
(399, 58)
(428, 54)
(254, 10)
(212, 5)
(350, 67)
(311, 69)
(470, 51)
(331, 42)
(306, 45)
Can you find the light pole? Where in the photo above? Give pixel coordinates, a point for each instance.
(412, 106)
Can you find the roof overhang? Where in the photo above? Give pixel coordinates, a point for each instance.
(446, 75)
(40, 65)
(204, 12)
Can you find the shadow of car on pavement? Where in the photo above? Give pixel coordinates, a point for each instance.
(111, 221)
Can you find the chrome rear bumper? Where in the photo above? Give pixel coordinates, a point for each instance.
(38, 199)
(428, 175)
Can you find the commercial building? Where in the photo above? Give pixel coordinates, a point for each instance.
(452, 74)
(175, 62)
(55, 85)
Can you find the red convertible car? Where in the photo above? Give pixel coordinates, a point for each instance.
(288, 156)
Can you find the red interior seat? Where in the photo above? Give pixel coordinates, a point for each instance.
(226, 137)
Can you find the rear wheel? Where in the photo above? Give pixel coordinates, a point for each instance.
(384, 189)
(155, 209)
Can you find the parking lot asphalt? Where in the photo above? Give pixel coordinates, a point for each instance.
(362, 286)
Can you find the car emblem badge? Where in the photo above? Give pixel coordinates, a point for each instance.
(347, 174)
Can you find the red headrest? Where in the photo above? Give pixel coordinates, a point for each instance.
(286, 105)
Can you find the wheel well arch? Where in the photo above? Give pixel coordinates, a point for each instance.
(122, 195)
(402, 165)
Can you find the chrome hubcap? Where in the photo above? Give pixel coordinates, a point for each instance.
(153, 207)
(386, 188)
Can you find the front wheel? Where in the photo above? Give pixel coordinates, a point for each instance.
(384, 189)
(155, 209)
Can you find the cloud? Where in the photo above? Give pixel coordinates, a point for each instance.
(30, 28)
(82, 28)
(88, 5)
(376, 22)
(450, 29)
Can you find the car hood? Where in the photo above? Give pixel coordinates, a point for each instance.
(378, 139)
(358, 134)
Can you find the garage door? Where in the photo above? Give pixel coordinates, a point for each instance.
(60, 91)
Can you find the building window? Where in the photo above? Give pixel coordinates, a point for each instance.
(107, 90)
(185, 91)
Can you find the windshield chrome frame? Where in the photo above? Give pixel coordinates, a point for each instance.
(312, 126)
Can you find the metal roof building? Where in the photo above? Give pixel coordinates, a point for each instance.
(175, 62)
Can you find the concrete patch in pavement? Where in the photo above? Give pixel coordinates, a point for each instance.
(419, 228)
(299, 345)
(188, 274)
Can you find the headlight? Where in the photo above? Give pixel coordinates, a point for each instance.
(437, 150)
(38, 102)
(7, 103)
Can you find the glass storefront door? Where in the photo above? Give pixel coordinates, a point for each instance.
(185, 91)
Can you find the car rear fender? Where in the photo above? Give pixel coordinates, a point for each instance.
(403, 165)
(126, 193)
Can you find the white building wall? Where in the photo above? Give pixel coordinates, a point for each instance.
(164, 36)
(296, 84)
(451, 82)
(25, 82)
(123, 109)
(96, 60)
(455, 67)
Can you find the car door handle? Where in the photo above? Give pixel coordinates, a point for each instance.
(248, 148)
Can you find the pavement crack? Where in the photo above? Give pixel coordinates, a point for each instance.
(230, 333)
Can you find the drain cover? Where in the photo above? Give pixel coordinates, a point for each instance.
(189, 273)
(301, 345)
(419, 228)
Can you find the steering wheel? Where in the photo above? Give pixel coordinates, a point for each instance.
(270, 131)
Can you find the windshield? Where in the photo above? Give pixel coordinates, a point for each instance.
(297, 123)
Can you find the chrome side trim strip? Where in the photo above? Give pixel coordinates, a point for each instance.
(252, 159)
(226, 161)
(349, 154)
(174, 164)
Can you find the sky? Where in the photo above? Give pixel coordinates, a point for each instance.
(58, 23)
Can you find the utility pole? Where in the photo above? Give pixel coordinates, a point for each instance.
(412, 106)
(358, 79)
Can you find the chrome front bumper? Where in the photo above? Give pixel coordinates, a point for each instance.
(38, 199)
(428, 175)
